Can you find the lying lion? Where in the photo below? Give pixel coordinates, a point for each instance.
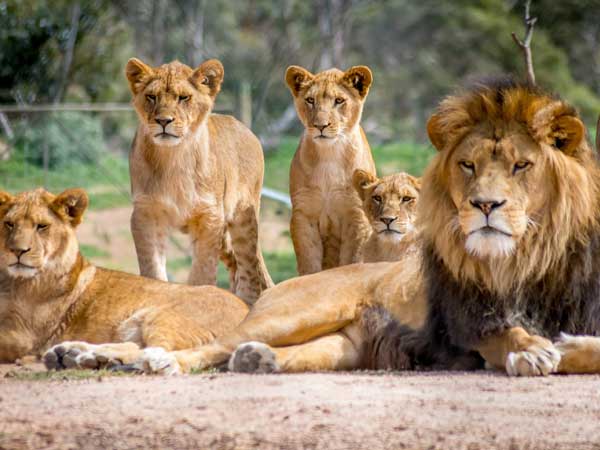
(510, 257)
(49, 293)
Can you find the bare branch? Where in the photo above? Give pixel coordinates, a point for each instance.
(525, 44)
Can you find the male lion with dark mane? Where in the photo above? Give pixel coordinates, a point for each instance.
(50, 293)
(510, 258)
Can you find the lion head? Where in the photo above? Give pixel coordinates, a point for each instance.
(513, 185)
(173, 100)
(390, 203)
(37, 234)
(330, 103)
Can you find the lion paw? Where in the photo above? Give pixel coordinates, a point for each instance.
(253, 357)
(156, 360)
(534, 361)
(76, 355)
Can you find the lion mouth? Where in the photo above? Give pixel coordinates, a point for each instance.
(165, 135)
(19, 265)
(488, 230)
(390, 231)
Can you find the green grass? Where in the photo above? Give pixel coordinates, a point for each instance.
(281, 266)
(69, 374)
(107, 182)
(91, 251)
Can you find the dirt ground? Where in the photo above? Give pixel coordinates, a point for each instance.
(358, 410)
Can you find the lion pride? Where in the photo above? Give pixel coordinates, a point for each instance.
(510, 257)
(50, 293)
(328, 225)
(195, 171)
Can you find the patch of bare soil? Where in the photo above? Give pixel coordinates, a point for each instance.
(309, 411)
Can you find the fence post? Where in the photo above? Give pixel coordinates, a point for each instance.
(245, 103)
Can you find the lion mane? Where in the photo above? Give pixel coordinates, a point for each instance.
(549, 284)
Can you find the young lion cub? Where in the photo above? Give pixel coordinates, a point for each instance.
(328, 225)
(196, 171)
(390, 204)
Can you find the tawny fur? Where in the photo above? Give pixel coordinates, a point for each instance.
(328, 225)
(203, 178)
(390, 204)
(49, 293)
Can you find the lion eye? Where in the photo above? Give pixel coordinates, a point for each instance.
(310, 100)
(41, 226)
(9, 225)
(467, 166)
(407, 199)
(377, 198)
(184, 98)
(521, 165)
(339, 101)
(151, 98)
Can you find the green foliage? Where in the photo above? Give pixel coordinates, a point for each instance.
(91, 251)
(65, 136)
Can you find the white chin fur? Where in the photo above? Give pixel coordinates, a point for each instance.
(494, 245)
(22, 272)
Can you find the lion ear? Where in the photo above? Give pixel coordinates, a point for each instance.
(436, 132)
(70, 205)
(210, 73)
(5, 201)
(361, 179)
(137, 74)
(416, 182)
(559, 125)
(359, 78)
(296, 78)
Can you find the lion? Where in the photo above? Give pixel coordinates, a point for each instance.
(509, 258)
(50, 293)
(390, 204)
(196, 171)
(328, 225)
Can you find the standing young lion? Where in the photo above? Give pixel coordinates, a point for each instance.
(328, 225)
(196, 171)
(390, 204)
(49, 293)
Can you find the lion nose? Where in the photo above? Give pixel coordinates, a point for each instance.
(388, 220)
(321, 127)
(487, 206)
(164, 121)
(18, 251)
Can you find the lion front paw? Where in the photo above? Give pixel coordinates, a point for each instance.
(253, 357)
(535, 361)
(156, 360)
(76, 355)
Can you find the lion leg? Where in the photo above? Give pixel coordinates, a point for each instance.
(278, 321)
(351, 243)
(206, 231)
(149, 236)
(520, 353)
(228, 258)
(335, 351)
(252, 276)
(579, 354)
(308, 245)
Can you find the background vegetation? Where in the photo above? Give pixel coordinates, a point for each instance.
(74, 51)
